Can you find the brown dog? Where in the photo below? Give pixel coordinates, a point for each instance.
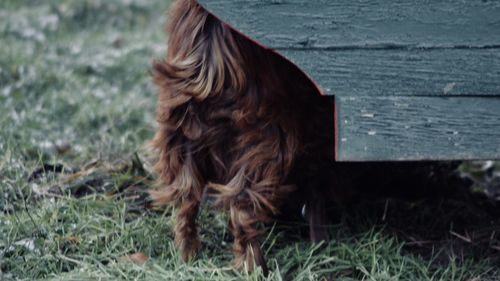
(240, 123)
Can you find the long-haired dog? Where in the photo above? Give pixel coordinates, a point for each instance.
(243, 125)
(237, 122)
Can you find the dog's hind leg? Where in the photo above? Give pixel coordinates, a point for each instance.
(244, 220)
(246, 246)
(188, 204)
(186, 231)
(253, 196)
(185, 193)
(247, 210)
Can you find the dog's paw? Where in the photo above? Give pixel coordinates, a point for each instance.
(189, 249)
(250, 259)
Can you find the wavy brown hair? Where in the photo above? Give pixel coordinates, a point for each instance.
(238, 122)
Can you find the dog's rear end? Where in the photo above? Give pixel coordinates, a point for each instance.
(238, 122)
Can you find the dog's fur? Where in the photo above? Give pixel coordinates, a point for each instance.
(242, 124)
(239, 122)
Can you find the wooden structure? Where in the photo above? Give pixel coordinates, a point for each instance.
(412, 80)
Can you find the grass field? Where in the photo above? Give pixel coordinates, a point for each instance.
(76, 109)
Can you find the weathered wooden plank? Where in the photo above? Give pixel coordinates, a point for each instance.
(413, 80)
(437, 72)
(362, 23)
(379, 48)
(418, 128)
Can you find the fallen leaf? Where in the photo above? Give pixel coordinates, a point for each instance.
(137, 258)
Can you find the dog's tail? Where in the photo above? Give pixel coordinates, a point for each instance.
(203, 60)
(202, 56)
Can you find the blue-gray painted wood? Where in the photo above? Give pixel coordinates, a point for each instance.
(418, 128)
(436, 72)
(354, 47)
(359, 23)
(412, 79)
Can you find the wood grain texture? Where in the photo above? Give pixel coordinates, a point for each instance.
(418, 128)
(412, 79)
(435, 72)
(379, 48)
(363, 23)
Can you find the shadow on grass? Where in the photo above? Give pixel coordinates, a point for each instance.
(451, 237)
